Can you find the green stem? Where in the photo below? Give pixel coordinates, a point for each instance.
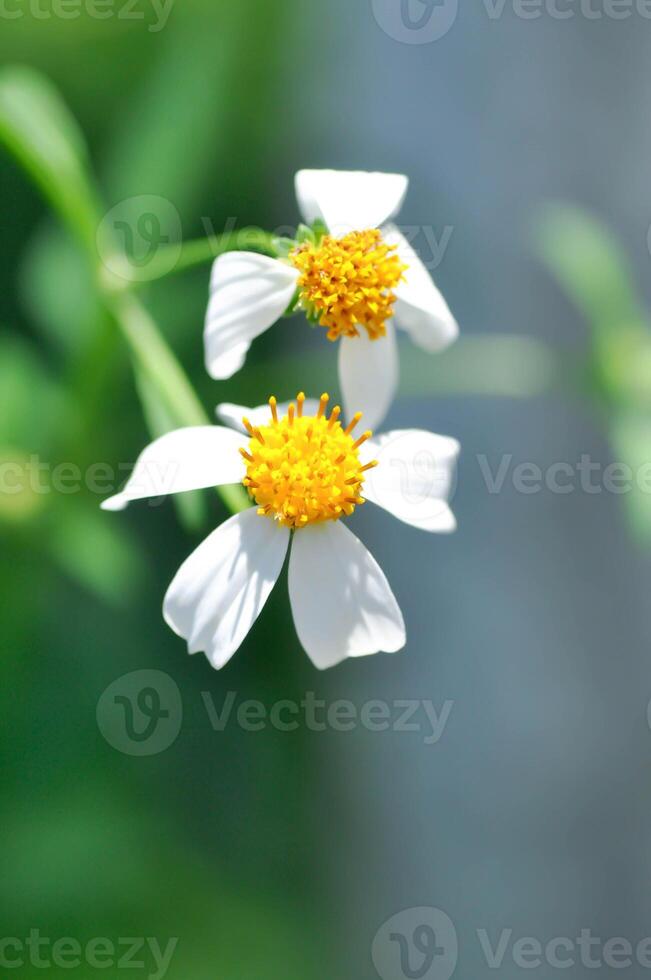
(37, 128)
(155, 359)
(172, 259)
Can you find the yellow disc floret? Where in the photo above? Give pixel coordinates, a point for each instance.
(347, 283)
(305, 469)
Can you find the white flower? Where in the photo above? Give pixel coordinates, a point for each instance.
(304, 471)
(351, 281)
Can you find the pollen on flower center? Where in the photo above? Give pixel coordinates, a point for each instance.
(347, 283)
(304, 469)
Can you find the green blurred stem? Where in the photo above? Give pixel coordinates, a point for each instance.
(39, 130)
(155, 359)
(171, 259)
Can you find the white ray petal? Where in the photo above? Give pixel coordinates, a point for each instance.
(248, 294)
(341, 601)
(220, 590)
(368, 375)
(420, 308)
(349, 200)
(185, 459)
(415, 476)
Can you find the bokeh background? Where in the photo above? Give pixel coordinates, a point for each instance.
(280, 854)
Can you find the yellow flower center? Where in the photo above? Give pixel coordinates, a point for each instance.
(348, 282)
(304, 469)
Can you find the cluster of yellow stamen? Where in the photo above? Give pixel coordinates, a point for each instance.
(305, 469)
(347, 283)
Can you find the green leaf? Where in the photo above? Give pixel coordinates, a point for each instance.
(37, 128)
(283, 246)
(589, 264)
(630, 435)
(305, 234)
(591, 267)
(319, 229)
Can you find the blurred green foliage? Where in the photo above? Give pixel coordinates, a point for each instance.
(96, 843)
(206, 842)
(615, 374)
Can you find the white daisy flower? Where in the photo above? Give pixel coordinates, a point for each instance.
(352, 272)
(304, 471)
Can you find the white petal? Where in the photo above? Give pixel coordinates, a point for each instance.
(233, 414)
(220, 590)
(185, 459)
(225, 365)
(248, 293)
(368, 375)
(420, 307)
(415, 477)
(342, 603)
(349, 200)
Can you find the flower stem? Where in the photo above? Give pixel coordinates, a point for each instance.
(155, 359)
(175, 258)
